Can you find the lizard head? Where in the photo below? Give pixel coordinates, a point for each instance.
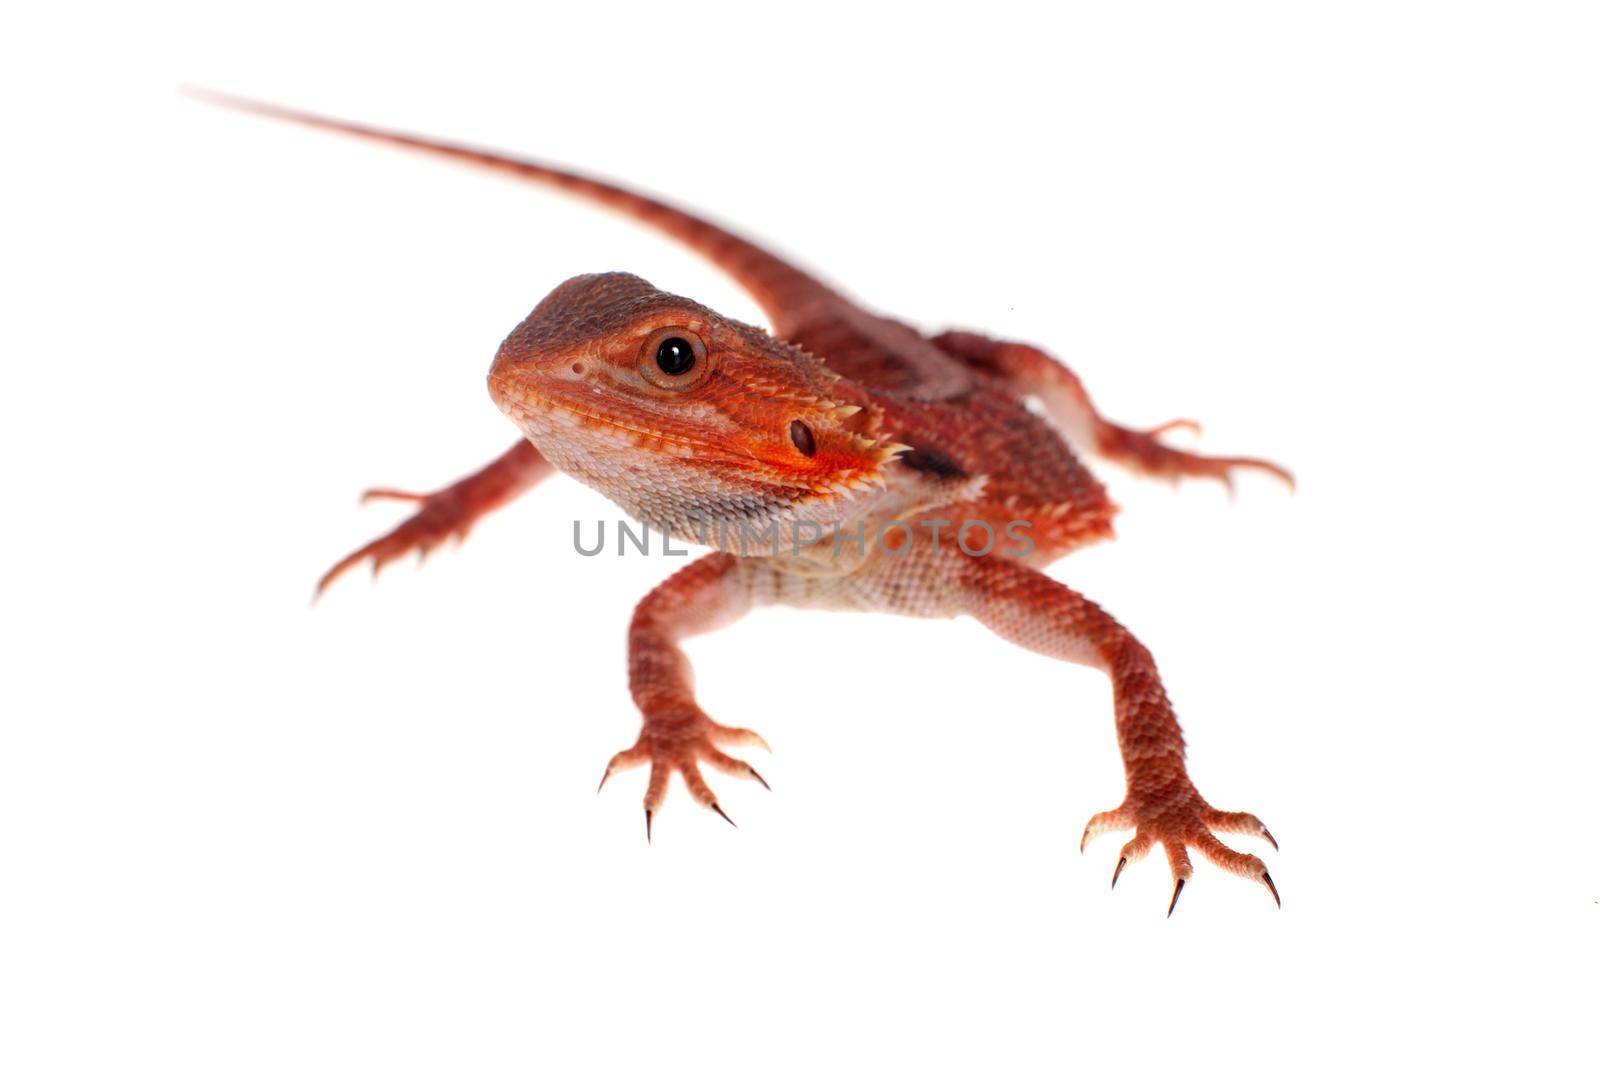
(686, 418)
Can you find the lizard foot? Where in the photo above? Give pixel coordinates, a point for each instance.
(681, 742)
(1175, 823)
(442, 516)
(1144, 450)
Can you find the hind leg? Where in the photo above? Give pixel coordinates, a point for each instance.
(1028, 371)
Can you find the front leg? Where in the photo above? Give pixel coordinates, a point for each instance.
(1162, 805)
(449, 512)
(677, 736)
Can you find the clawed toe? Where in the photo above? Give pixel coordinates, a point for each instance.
(1239, 822)
(1221, 469)
(736, 767)
(1115, 819)
(1145, 451)
(682, 754)
(735, 735)
(394, 494)
(628, 757)
(1174, 424)
(441, 518)
(1176, 830)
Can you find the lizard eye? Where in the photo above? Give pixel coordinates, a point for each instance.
(673, 358)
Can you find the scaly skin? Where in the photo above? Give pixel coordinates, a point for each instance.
(839, 421)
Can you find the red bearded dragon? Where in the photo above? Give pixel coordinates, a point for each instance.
(838, 460)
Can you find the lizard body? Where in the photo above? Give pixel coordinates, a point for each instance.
(839, 421)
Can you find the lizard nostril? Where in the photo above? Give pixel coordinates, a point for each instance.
(577, 370)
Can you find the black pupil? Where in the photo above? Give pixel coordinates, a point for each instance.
(675, 356)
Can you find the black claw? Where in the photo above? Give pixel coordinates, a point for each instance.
(757, 776)
(604, 778)
(1270, 839)
(1267, 878)
(1122, 861)
(1175, 891)
(718, 809)
(648, 815)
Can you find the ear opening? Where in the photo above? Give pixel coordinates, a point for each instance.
(804, 440)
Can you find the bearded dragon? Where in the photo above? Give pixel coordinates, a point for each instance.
(865, 432)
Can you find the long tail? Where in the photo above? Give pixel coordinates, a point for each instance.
(783, 291)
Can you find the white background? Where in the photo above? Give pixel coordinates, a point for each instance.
(1357, 238)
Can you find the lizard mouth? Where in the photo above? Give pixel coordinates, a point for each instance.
(523, 406)
(537, 413)
(546, 410)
